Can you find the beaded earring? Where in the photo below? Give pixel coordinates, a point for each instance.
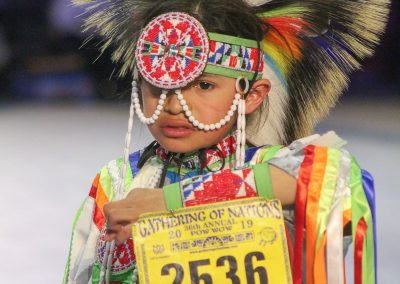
(241, 120)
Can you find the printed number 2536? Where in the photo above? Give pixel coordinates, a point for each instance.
(224, 261)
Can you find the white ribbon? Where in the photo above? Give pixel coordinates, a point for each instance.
(334, 249)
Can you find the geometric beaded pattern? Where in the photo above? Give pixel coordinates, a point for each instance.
(123, 258)
(172, 50)
(234, 56)
(225, 185)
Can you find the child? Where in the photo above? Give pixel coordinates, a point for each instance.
(201, 70)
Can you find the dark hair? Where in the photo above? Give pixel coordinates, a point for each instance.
(230, 17)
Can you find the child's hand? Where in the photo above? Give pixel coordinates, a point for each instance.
(121, 215)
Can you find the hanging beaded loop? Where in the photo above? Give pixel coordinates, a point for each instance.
(203, 126)
(138, 110)
(241, 120)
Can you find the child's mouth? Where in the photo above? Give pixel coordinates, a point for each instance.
(177, 130)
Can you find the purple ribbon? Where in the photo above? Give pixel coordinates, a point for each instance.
(368, 185)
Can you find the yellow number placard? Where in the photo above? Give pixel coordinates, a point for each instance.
(241, 241)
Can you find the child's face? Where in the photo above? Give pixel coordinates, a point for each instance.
(209, 99)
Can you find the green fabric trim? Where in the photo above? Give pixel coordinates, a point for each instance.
(233, 40)
(270, 153)
(124, 278)
(106, 183)
(228, 72)
(77, 216)
(360, 209)
(128, 176)
(172, 196)
(261, 172)
(263, 180)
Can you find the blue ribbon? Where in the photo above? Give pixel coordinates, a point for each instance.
(368, 185)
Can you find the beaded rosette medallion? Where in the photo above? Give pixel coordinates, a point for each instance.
(174, 49)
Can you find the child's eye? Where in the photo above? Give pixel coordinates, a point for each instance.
(204, 85)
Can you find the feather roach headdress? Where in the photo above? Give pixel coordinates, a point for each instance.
(310, 48)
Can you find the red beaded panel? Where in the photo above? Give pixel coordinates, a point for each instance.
(172, 50)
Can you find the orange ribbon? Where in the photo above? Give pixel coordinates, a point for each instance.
(300, 209)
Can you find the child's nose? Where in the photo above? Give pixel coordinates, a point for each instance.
(172, 104)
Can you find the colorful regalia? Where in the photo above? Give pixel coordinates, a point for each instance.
(333, 193)
(307, 50)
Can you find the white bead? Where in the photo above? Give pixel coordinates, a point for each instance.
(196, 122)
(137, 105)
(233, 107)
(230, 113)
(157, 112)
(212, 126)
(136, 100)
(206, 127)
(154, 117)
(185, 108)
(183, 102)
(201, 126)
(134, 83)
(188, 113)
(218, 125)
(159, 107)
(180, 96)
(235, 102)
(222, 121)
(163, 96)
(161, 102)
(192, 119)
(237, 96)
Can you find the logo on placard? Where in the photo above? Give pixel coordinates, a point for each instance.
(212, 242)
(158, 249)
(268, 236)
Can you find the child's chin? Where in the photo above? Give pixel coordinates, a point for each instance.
(179, 149)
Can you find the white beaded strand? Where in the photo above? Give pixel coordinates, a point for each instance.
(156, 113)
(128, 137)
(212, 126)
(109, 262)
(104, 263)
(109, 252)
(241, 123)
(154, 180)
(241, 139)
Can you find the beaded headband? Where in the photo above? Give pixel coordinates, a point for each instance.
(174, 49)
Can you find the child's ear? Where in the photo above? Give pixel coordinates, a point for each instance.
(257, 94)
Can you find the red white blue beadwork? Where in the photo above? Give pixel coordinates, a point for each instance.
(123, 257)
(172, 51)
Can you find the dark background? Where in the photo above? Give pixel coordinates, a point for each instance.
(41, 57)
